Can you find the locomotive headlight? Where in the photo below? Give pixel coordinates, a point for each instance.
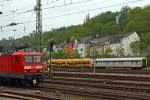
(27, 67)
(38, 67)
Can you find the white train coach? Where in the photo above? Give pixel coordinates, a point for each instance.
(138, 62)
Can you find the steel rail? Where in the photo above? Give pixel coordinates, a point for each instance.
(99, 70)
(93, 93)
(24, 96)
(100, 85)
(129, 77)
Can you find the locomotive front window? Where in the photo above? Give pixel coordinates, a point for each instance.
(28, 58)
(37, 58)
(32, 58)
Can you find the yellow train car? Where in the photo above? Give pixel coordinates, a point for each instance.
(73, 62)
(57, 62)
(85, 62)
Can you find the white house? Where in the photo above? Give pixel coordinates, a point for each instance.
(124, 44)
(83, 45)
(127, 41)
(119, 44)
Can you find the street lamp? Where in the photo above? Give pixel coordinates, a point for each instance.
(94, 55)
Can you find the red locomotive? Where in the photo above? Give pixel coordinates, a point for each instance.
(25, 67)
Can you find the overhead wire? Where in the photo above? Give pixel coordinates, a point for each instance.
(4, 0)
(72, 3)
(82, 11)
(24, 11)
(46, 8)
(29, 21)
(30, 10)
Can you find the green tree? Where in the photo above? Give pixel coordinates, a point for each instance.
(76, 54)
(140, 23)
(109, 29)
(61, 54)
(123, 19)
(108, 51)
(136, 47)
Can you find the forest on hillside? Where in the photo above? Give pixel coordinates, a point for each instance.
(108, 23)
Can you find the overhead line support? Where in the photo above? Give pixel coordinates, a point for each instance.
(38, 10)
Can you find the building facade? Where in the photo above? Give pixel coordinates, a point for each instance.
(116, 45)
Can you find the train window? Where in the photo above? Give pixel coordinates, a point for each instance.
(120, 62)
(136, 62)
(113, 62)
(37, 58)
(28, 58)
(132, 62)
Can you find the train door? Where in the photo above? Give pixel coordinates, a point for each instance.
(9, 66)
(17, 63)
(7, 60)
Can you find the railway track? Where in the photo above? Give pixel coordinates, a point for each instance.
(100, 70)
(117, 76)
(114, 84)
(80, 89)
(14, 96)
(89, 90)
(103, 85)
(102, 81)
(96, 92)
(23, 94)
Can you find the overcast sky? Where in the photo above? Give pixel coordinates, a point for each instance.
(72, 13)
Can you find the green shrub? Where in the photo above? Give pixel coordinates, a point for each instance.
(148, 61)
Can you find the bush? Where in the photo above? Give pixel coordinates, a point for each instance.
(148, 61)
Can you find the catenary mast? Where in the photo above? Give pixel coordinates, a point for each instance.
(38, 10)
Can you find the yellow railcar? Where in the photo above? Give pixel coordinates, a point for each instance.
(58, 62)
(85, 62)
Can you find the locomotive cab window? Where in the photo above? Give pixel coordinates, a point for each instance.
(28, 58)
(37, 59)
(32, 58)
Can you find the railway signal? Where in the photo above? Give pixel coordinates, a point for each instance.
(51, 43)
(51, 46)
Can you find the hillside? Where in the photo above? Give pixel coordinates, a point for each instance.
(129, 20)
